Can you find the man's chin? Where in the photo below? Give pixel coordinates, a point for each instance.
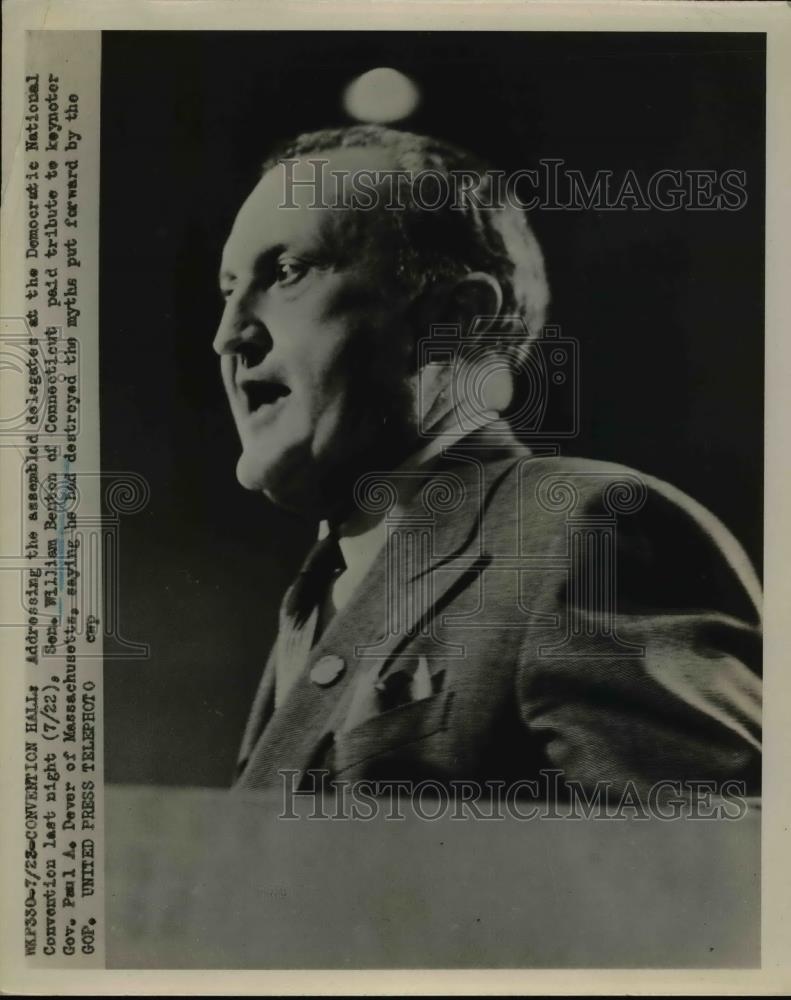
(300, 481)
(284, 482)
(253, 474)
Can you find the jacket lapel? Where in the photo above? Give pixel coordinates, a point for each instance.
(263, 706)
(297, 728)
(435, 545)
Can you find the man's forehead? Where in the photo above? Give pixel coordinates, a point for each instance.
(310, 185)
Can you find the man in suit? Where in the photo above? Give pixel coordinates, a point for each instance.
(471, 611)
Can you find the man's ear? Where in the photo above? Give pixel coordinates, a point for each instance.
(471, 301)
(477, 299)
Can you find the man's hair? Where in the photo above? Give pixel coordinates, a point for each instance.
(434, 245)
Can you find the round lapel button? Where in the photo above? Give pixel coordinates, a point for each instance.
(327, 670)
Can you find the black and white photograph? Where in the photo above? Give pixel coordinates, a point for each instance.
(392, 421)
(393, 454)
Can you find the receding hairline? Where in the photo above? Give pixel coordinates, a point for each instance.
(336, 165)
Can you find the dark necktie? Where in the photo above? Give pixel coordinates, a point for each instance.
(300, 614)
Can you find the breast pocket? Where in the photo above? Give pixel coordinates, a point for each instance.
(388, 732)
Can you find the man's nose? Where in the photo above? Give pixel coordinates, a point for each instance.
(243, 333)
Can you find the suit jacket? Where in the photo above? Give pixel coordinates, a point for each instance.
(530, 613)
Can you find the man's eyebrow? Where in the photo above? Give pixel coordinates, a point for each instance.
(261, 266)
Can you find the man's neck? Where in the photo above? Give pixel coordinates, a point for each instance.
(445, 434)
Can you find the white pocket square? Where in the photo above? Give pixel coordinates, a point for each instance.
(403, 682)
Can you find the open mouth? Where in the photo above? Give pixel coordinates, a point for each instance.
(260, 394)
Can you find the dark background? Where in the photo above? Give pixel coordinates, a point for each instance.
(667, 306)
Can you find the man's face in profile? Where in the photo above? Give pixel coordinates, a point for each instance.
(315, 355)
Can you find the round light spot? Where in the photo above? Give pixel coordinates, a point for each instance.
(381, 95)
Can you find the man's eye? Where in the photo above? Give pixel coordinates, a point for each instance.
(288, 272)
